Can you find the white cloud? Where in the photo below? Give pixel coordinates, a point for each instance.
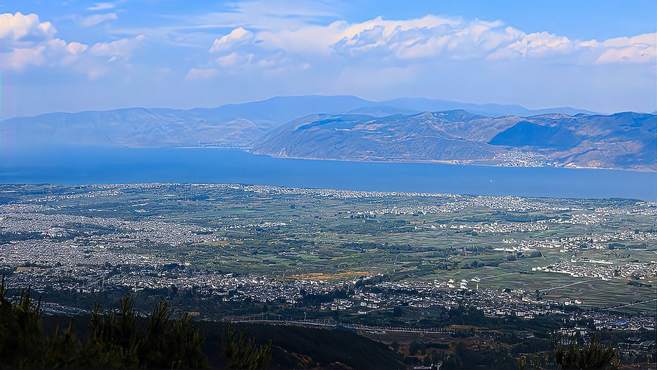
(238, 36)
(637, 49)
(234, 59)
(96, 19)
(26, 41)
(19, 58)
(101, 6)
(425, 39)
(535, 45)
(76, 48)
(17, 27)
(121, 49)
(241, 50)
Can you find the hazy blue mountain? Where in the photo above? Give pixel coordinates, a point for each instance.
(380, 110)
(134, 127)
(283, 109)
(435, 105)
(623, 140)
(234, 125)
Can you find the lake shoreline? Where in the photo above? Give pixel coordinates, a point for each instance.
(219, 165)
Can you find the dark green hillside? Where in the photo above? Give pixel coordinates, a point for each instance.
(529, 134)
(298, 347)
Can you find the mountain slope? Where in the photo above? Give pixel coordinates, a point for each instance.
(364, 137)
(623, 140)
(234, 125)
(530, 134)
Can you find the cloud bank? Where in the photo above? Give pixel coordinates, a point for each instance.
(425, 39)
(26, 41)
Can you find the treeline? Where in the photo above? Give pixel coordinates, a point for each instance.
(115, 339)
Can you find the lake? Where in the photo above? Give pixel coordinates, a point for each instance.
(207, 165)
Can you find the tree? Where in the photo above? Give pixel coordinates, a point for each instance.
(21, 336)
(593, 356)
(114, 340)
(243, 353)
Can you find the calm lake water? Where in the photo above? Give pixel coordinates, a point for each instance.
(66, 166)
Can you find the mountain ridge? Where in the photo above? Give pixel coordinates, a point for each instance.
(409, 104)
(351, 128)
(623, 140)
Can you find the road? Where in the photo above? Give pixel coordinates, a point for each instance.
(333, 325)
(565, 286)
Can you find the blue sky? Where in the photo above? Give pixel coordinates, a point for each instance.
(79, 55)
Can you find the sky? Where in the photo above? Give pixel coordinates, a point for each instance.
(76, 55)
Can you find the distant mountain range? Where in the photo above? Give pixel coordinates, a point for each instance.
(351, 128)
